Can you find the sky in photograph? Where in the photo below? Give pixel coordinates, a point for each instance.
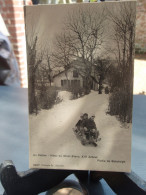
(47, 20)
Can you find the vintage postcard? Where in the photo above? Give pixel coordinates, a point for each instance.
(80, 80)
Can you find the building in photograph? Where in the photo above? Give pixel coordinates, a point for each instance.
(68, 78)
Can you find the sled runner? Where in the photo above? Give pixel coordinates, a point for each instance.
(83, 137)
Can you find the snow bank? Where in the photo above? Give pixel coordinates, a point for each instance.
(64, 95)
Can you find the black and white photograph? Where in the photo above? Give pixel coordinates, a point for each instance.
(80, 79)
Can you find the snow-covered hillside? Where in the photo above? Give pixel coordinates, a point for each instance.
(51, 130)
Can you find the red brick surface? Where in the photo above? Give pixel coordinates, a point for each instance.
(13, 14)
(14, 2)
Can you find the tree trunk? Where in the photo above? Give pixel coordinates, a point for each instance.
(100, 84)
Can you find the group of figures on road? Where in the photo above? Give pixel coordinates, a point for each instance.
(86, 130)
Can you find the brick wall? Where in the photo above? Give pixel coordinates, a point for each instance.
(13, 15)
(140, 41)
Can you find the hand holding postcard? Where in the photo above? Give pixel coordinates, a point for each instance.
(80, 73)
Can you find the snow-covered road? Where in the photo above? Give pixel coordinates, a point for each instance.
(51, 133)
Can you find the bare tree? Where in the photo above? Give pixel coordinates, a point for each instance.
(81, 40)
(62, 55)
(102, 68)
(46, 67)
(123, 36)
(34, 59)
(123, 22)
